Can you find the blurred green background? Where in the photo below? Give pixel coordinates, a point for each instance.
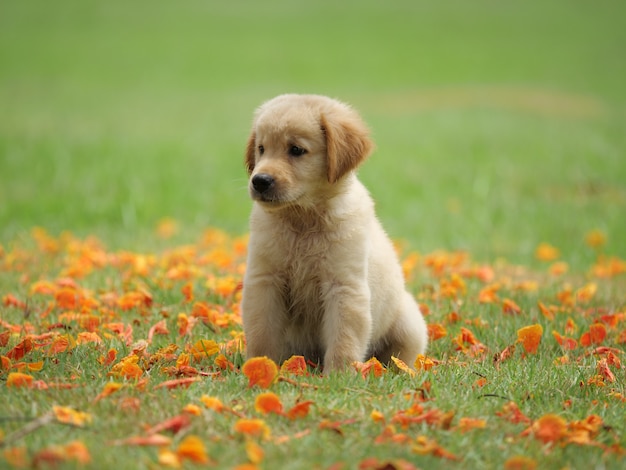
(499, 125)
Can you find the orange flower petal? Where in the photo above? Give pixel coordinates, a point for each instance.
(192, 409)
(372, 366)
(212, 403)
(128, 370)
(109, 389)
(564, 342)
(299, 410)
(510, 307)
(597, 332)
(426, 446)
(252, 427)
(20, 350)
(268, 403)
(260, 371)
(76, 450)
(185, 382)
(423, 362)
(546, 252)
(519, 462)
(85, 337)
(467, 424)
(223, 363)
(61, 344)
(31, 366)
(174, 425)
(604, 370)
(512, 413)
(17, 457)
(18, 379)
(401, 365)
(66, 298)
(254, 452)
(530, 337)
(436, 331)
(159, 328)
(204, 348)
(295, 365)
(595, 238)
(549, 428)
(192, 448)
(489, 294)
(167, 458)
(156, 440)
(64, 414)
(587, 292)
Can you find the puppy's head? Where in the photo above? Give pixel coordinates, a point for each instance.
(300, 147)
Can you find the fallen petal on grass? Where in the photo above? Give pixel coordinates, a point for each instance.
(260, 371)
(530, 337)
(160, 355)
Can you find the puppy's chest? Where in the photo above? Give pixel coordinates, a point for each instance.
(303, 292)
(303, 270)
(303, 297)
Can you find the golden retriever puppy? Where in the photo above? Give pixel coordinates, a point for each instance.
(322, 279)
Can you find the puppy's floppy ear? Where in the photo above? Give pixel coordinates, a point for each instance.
(347, 142)
(250, 152)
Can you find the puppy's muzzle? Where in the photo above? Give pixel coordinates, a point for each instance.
(263, 184)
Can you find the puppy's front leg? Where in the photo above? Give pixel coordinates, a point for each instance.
(347, 325)
(262, 310)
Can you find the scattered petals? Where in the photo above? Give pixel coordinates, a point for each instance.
(132, 331)
(212, 403)
(468, 424)
(546, 252)
(252, 427)
(295, 365)
(192, 448)
(402, 366)
(513, 414)
(20, 350)
(109, 389)
(426, 446)
(159, 328)
(153, 440)
(268, 403)
(372, 366)
(299, 410)
(260, 371)
(436, 331)
(595, 335)
(175, 425)
(509, 306)
(254, 452)
(565, 342)
(67, 415)
(595, 238)
(530, 337)
(549, 428)
(423, 362)
(520, 463)
(18, 379)
(17, 457)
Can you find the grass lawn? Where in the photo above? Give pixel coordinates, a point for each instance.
(500, 168)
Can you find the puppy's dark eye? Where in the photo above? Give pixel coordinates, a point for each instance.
(261, 150)
(296, 151)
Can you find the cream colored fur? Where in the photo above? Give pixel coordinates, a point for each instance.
(322, 279)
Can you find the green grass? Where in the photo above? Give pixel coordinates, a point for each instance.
(498, 126)
(339, 429)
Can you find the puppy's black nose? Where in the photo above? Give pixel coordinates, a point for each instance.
(262, 182)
